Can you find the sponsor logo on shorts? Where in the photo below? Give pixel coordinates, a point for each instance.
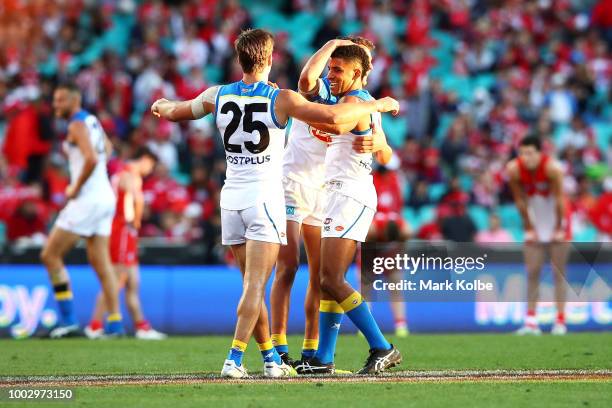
(290, 209)
(327, 228)
(327, 221)
(339, 228)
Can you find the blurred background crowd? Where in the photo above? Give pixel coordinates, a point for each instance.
(473, 76)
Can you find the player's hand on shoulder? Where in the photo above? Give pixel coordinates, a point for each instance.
(388, 104)
(273, 84)
(370, 143)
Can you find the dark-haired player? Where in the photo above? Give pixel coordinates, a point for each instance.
(350, 206)
(536, 181)
(87, 214)
(251, 116)
(127, 183)
(304, 182)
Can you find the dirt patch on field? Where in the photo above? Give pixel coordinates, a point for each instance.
(396, 376)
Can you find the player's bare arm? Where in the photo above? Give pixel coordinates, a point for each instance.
(176, 111)
(77, 134)
(519, 198)
(555, 175)
(292, 104)
(308, 83)
(375, 143)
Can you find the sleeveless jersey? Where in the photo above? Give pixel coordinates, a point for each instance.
(540, 201)
(253, 141)
(347, 171)
(97, 186)
(536, 182)
(304, 159)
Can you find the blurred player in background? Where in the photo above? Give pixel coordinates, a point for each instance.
(536, 182)
(252, 115)
(350, 206)
(127, 183)
(303, 181)
(389, 227)
(88, 213)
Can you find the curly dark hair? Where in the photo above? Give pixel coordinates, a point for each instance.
(354, 53)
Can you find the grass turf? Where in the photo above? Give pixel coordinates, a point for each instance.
(206, 354)
(513, 394)
(421, 352)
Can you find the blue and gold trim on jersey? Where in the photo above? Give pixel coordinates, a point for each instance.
(257, 90)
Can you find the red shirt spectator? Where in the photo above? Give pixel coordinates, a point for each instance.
(388, 190)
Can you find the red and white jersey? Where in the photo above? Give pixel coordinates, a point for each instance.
(535, 182)
(541, 202)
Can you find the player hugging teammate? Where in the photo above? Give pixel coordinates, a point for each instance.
(251, 116)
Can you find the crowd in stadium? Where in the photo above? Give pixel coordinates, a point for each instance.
(474, 77)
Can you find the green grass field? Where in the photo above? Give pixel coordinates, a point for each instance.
(422, 354)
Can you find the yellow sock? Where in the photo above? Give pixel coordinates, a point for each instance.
(114, 317)
(351, 302)
(239, 345)
(265, 346)
(310, 344)
(279, 339)
(330, 306)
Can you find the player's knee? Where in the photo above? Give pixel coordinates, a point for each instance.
(286, 270)
(47, 257)
(329, 283)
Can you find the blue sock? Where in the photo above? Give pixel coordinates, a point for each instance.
(237, 351)
(114, 324)
(269, 353)
(361, 316)
(236, 356)
(280, 343)
(309, 348)
(330, 317)
(63, 297)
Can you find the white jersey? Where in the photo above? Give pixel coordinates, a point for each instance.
(347, 171)
(253, 141)
(304, 160)
(97, 186)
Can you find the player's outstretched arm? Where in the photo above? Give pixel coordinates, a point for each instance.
(315, 66)
(174, 111)
(290, 103)
(196, 108)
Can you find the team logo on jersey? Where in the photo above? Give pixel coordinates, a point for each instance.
(339, 228)
(327, 221)
(290, 210)
(321, 135)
